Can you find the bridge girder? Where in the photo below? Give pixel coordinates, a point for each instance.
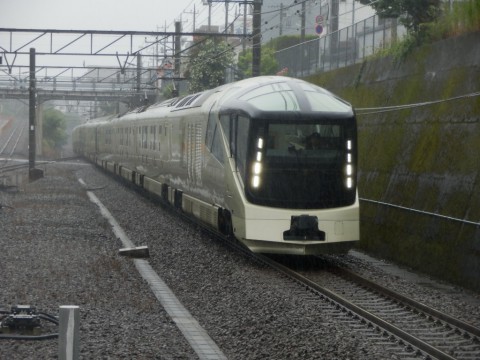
(46, 95)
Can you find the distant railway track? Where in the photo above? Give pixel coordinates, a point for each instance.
(13, 139)
(23, 163)
(424, 332)
(12, 167)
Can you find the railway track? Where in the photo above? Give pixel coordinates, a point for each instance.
(12, 167)
(407, 328)
(421, 332)
(13, 139)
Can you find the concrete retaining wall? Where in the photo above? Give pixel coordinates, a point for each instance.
(425, 158)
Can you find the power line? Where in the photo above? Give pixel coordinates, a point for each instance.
(384, 109)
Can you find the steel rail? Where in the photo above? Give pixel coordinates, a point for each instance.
(349, 306)
(408, 301)
(9, 139)
(419, 345)
(8, 168)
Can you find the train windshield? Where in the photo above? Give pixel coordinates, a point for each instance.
(303, 165)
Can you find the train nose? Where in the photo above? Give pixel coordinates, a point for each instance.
(304, 227)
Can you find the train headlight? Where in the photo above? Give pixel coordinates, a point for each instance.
(260, 143)
(256, 181)
(349, 183)
(257, 165)
(349, 165)
(257, 168)
(349, 170)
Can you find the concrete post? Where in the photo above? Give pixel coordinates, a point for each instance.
(257, 38)
(39, 129)
(31, 113)
(69, 333)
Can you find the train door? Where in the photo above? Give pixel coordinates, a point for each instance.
(193, 152)
(96, 140)
(236, 128)
(166, 147)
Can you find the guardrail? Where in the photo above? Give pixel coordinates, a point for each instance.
(340, 48)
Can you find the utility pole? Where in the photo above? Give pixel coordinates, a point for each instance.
(33, 174)
(209, 15)
(177, 48)
(257, 37)
(226, 20)
(139, 74)
(282, 14)
(334, 10)
(31, 115)
(194, 12)
(353, 14)
(244, 43)
(302, 26)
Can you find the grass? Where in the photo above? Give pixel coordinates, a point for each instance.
(463, 17)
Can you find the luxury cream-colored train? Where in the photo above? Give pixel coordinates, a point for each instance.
(271, 161)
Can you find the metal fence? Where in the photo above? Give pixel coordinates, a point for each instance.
(340, 48)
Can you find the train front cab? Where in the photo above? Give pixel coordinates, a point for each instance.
(291, 179)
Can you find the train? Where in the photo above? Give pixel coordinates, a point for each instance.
(270, 161)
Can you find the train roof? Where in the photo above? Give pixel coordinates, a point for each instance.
(256, 96)
(275, 94)
(103, 119)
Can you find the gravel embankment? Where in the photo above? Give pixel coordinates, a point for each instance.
(58, 250)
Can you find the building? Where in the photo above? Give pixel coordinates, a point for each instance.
(284, 18)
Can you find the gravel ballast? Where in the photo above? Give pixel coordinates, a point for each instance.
(58, 250)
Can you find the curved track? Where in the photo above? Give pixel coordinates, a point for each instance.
(406, 328)
(13, 139)
(423, 331)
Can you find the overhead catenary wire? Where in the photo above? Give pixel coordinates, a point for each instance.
(277, 12)
(384, 109)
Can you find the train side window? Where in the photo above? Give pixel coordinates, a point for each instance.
(233, 132)
(226, 125)
(237, 128)
(241, 139)
(211, 126)
(217, 148)
(144, 137)
(154, 140)
(160, 131)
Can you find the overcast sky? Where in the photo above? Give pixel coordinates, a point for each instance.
(139, 15)
(118, 15)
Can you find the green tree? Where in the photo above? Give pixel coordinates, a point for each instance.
(54, 126)
(412, 13)
(209, 61)
(268, 65)
(286, 41)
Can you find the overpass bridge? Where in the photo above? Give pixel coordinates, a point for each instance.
(127, 96)
(124, 79)
(39, 65)
(60, 72)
